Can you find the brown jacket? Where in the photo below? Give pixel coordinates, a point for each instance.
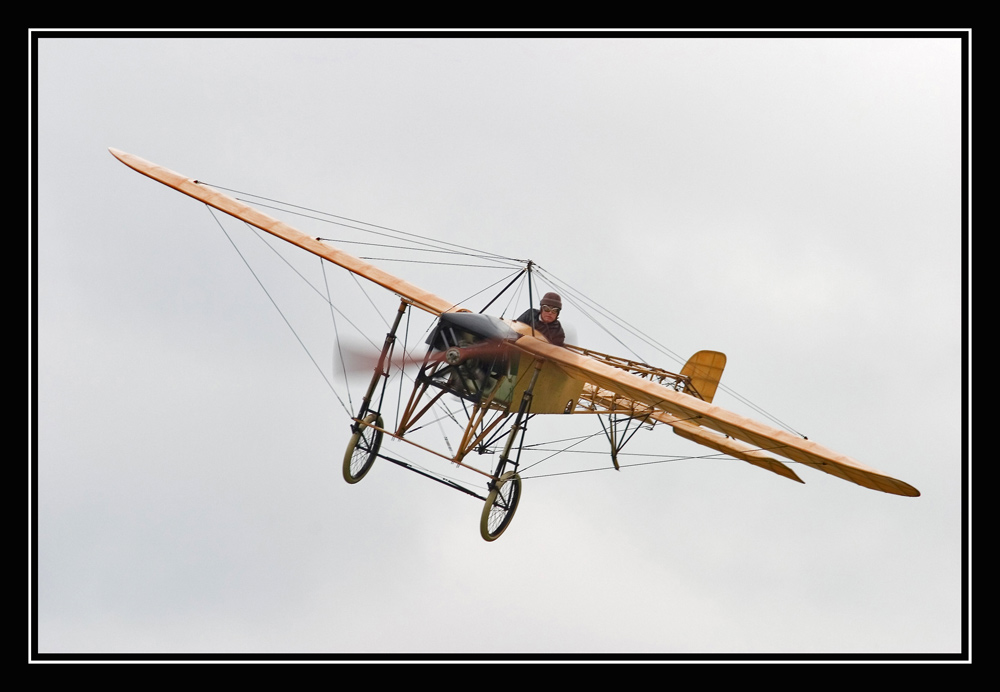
(552, 331)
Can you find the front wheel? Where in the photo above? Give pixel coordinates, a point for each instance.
(362, 449)
(500, 506)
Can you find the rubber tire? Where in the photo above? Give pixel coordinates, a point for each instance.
(500, 506)
(362, 450)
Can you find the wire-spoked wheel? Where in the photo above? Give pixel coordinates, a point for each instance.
(500, 506)
(362, 449)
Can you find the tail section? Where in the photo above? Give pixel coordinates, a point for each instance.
(705, 370)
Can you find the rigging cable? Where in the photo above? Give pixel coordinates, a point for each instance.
(423, 240)
(709, 457)
(432, 245)
(264, 240)
(261, 284)
(642, 336)
(336, 332)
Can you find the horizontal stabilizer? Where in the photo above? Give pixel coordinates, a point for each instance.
(734, 448)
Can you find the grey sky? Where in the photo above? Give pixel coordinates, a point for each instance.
(795, 203)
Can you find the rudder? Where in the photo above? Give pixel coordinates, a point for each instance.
(705, 370)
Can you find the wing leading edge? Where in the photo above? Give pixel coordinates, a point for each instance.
(690, 414)
(224, 203)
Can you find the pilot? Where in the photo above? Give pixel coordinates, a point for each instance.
(546, 320)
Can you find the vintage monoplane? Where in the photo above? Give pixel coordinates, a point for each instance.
(505, 372)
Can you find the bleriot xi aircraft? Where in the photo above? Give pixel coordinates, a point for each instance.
(505, 371)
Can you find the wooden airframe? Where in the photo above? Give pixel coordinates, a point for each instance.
(528, 376)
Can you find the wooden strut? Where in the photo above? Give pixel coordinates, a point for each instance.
(475, 420)
(453, 460)
(409, 418)
(469, 439)
(416, 395)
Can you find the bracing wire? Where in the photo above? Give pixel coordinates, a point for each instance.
(307, 281)
(470, 297)
(383, 231)
(710, 457)
(413, 242)
(278, 308)
(648, 340)
(336, 332)
(369, 298)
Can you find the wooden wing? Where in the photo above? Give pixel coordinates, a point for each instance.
(712, 426)
(417, 296)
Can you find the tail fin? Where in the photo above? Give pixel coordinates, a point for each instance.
(705, 370)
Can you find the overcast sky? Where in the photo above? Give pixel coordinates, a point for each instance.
(793, 202)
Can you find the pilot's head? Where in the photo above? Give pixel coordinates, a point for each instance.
(551, 306)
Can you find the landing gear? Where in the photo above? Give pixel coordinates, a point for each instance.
(500, 506)
(362, 449)
(505, 492)
(473, 362)
(365, 442)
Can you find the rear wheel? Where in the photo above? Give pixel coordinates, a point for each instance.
(362, 449)
(501, 504)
